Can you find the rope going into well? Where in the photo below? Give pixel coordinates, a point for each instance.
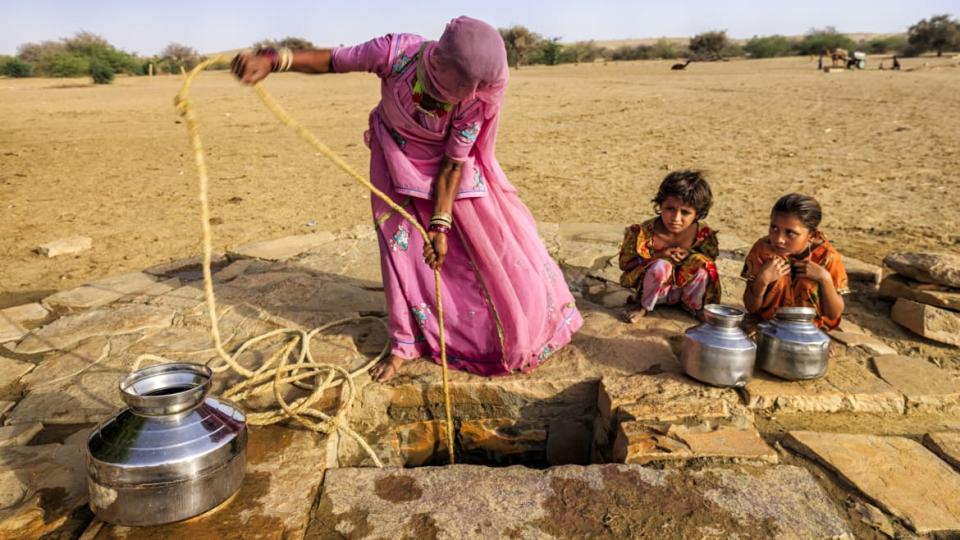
(277, 370)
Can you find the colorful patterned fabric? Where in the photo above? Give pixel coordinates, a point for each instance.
(637, 254)
(797, 292)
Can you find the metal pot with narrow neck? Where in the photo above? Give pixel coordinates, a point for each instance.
(172, 454)
(718, 352)
(791, 347)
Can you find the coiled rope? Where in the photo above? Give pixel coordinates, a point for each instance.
(277, 370)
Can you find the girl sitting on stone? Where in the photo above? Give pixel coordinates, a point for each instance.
(669, 259)
(795, 265)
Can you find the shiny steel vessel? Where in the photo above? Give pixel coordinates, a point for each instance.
(718, 352)
(172, 454)
(791, 347)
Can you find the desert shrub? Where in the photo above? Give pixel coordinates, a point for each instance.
(521, 44)
(816, 41)
(176, 55)
(73, 57)
(101, 71)
(709, 45)
(768, 46)
(636, 52)
(883, 45)
(290, 42)
(667, 49)
(11, 66)
(219, 65)
(938, 33)
(64, 65)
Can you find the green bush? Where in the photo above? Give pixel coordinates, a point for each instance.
(709, 45)
(884, 45)
(667, 50)
(816, 41)
(73, 57)
(768, 46)
(64, 65)
(101, 71)
(14, 67)
(939, 33)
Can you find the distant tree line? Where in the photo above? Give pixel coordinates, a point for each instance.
(87, 54)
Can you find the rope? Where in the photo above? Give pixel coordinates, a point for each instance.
(277, 370)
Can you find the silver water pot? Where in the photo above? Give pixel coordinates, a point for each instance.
(173, 454)
(718, 352)
(791, 347)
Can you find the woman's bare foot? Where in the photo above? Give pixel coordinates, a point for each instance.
(385, 369)
(633, 314)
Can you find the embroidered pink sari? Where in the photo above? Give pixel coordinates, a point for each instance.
(506, 304)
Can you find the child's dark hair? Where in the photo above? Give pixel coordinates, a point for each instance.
(688, 186)
(803, 207)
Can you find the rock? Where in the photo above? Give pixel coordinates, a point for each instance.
(40, 487)
(642, 443)
(184, 298)
(667, 397)
(5, 407)
(233, 270)
(902, 476)
(298, 291)
(67, 331)
(18, 434)
(946, 445)
(15, 320)
(847, 386)
(282, 248)
(616, 299)
(732, 246)
(940, 268)
(732, 285)
(550, 234)
(419, 443)
(926, 386)
(355, 260)
(503, 440)
(11, 371)
(582, 244)
(862, 272)
(602, 501)
(873, 516)
(871, 344)
(569, 442)
(193, 265)
(285, 467)
(928, 321)
(100, 293)
(65, 246)
(897, 286)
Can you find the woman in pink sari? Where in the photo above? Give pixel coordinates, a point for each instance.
(432, 140)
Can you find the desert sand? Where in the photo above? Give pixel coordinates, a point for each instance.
(590, 142)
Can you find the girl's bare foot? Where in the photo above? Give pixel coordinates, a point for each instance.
(385, 369)
(633, 314)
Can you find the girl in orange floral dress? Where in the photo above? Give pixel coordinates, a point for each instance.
(795, 265)
(669, 259)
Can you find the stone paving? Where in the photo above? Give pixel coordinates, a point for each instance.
(608, 439)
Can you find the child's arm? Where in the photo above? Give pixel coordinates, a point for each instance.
(770, 272)
(831, 303)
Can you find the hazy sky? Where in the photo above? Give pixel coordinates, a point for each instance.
(146, 27)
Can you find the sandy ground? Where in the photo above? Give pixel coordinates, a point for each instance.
(880, 150)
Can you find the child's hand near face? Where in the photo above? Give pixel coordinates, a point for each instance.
(675, 254)
(774, 269)
(812, 271)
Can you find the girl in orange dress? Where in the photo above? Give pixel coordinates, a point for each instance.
(795, 265)
(669, 259)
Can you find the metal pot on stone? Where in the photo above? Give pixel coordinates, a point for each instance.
(718, 352)
(172, 454)
(791, 347)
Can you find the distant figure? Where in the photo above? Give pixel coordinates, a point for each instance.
(681, 66)
(896, 63)
(881, 66)
(820, 63)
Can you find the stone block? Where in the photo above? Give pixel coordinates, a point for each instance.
(939, 268)
(732, 246)
(192, 265)
(599, 501)
(18, 434)
(902, 476)
(70, 330)
(928, 321)
(15, 321)
(100, 293)
(946, 445)
(862, 272)
(926, 386)
(281, 249)
(871, 344)
(65, 246)
(502, 440)
(11, 371)
(897, 286)
(641, 443)
(40, 487)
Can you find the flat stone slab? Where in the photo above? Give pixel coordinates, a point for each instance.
(40, 487)
(641, 443)
(18, 434)
(354, 255)
(732, 246)
(941, 268)
(70, 330)
(284, 470)
(11, 371)
(299, 291)
(583, 244)
(184, 265)
(600, 501)
(899, 474)
(100, 293)
(847, 386)
(861, 271)
(946, 445)
(65, 246)
(15, 320)
(928, 321)
(282, 249)
(871, 344)
(926, 386)
(897, 286)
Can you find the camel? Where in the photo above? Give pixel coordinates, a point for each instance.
(838, 57)
(681, 66)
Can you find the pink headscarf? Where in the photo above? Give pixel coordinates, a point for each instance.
(469, 61)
